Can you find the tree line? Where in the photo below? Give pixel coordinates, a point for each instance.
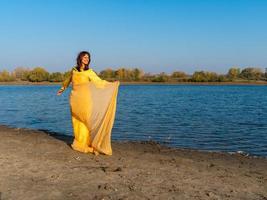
(39, 74)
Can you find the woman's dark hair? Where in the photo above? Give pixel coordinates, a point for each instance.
(79, 60)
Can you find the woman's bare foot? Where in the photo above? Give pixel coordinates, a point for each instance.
(82, 149)
(95, 152)
(89, 150)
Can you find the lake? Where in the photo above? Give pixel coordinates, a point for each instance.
(225, 118)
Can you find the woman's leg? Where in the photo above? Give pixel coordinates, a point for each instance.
(81, 136)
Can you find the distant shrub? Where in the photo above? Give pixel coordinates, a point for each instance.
(252, 73)
(21, 73)
(202, 76)
(162, 77)
(233, 73)
(38, 74)
(107, 74)
(6, 76)
(56, 77)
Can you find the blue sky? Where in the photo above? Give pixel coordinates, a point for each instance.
(155, 35)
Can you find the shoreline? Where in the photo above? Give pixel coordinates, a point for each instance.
(68, 139)
(38, 164)
(147, 83)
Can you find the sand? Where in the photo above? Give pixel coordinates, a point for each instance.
(38, 165)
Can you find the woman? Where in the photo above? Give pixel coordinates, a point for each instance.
(93, 106)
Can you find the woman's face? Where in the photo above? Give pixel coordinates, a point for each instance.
(85, 59)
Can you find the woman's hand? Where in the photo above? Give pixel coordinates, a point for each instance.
(60, 91)
(117, 82)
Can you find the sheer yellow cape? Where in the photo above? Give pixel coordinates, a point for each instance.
(93, 106)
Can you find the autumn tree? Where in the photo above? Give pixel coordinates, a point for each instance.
(107, 74)
(6, 76)
(21, 73)
(38, 74)
(199, 76)
(137, 74)
(233, 73)
(252, 73)
(162, 77)
(120, 74)
(56, 77)
(202, 76)
(179, 76)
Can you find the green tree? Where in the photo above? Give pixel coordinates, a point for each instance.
(178, 74)
(252, 73)
(222, 78)
(6, 76)
(56, 77)
(38, 74)
(202, 76)
(137, 74)
(233, 73)
(21, 73)
(162, 77)
(107, 74)
(148, 77)
(212, 76)
(199, 76)
(121, 74)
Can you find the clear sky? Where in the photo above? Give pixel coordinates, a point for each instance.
(155, 35)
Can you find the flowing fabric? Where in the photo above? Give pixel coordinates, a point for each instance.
(93, 105)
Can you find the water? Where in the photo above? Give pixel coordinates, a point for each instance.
(216, 118)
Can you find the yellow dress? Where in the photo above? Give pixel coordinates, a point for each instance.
(93, 106)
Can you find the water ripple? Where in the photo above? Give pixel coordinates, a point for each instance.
(216, 118)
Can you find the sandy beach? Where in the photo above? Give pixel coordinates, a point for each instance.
(40, 165)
